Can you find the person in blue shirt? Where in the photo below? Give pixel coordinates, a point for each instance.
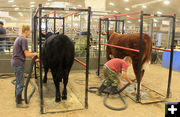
(2, 32)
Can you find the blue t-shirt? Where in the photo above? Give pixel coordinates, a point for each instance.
(2, 31)
(18, 57)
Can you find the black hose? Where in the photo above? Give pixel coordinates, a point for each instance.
(27, 98)
(113, 108)
(107, 95)
(5, 76)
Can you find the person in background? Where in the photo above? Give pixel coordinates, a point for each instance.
(2, 32)
(114, 70)
(20, 52)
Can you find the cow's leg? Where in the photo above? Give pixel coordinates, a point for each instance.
(135, 64)
(65, 81)
(57, 85)
(45, 74)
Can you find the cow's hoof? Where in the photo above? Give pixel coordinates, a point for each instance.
(64, 97)
(58, 100)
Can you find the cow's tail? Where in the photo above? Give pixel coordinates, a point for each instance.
(108, 53)
(148, 48)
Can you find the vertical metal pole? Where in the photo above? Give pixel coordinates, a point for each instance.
(107, 29)
(40, 51)
(116, 24)
(151, 29)
(123, 27)
(31, 22)
(80, 35)
(169, 34)
(46, 24)
(34, 41)
(99, 54)
(87, 57)
(54, 22)
(63, 24)
(140, 57)
(71, 26)
(171, 58)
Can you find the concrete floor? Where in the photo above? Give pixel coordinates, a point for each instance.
(156, 78)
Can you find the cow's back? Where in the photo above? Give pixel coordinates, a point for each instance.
(58, 52)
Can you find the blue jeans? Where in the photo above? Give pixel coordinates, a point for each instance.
(2, 43)
(19, 74)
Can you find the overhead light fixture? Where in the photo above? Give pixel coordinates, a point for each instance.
(115, 11)
(159, 12)
(155, 20)
(79, 5)
(144, 6)
(126, 0)
(47, 3)
(20, 13)
(129, 22)
(16, 9)
(10, 0)
(166, 2)
(13, 5)
(49, 0)
(32, 6)
(112, 4)
(32, 2)
(127, 9)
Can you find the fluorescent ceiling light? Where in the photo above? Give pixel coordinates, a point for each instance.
(13, 5)
(126, 0)
(159, 12)
(16, 9)
(144, 6)
(112, 4)
(47, 3)
(49, 0)
(20, 13)
(32, 2)
(79, 5)
(10, 0)
(115, 11)
(155, 20)
(166, 2)
(127, 9)
(32, 6)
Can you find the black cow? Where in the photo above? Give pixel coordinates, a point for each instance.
(58, 55)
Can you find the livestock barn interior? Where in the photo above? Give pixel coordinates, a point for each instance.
(88, 23)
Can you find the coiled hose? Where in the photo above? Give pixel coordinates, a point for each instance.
(27, 98)
(107, 95)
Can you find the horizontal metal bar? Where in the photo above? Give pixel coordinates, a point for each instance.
(52, 8)
(112, 20)
(123, 14)
(51, 17)
(148, 17)
(80, 62)
(72, 9)
(69, 14)
(116, 46)
(162, 49)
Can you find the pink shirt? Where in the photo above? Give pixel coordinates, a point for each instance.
(117, 65)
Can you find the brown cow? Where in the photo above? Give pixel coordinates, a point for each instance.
(130, 41)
